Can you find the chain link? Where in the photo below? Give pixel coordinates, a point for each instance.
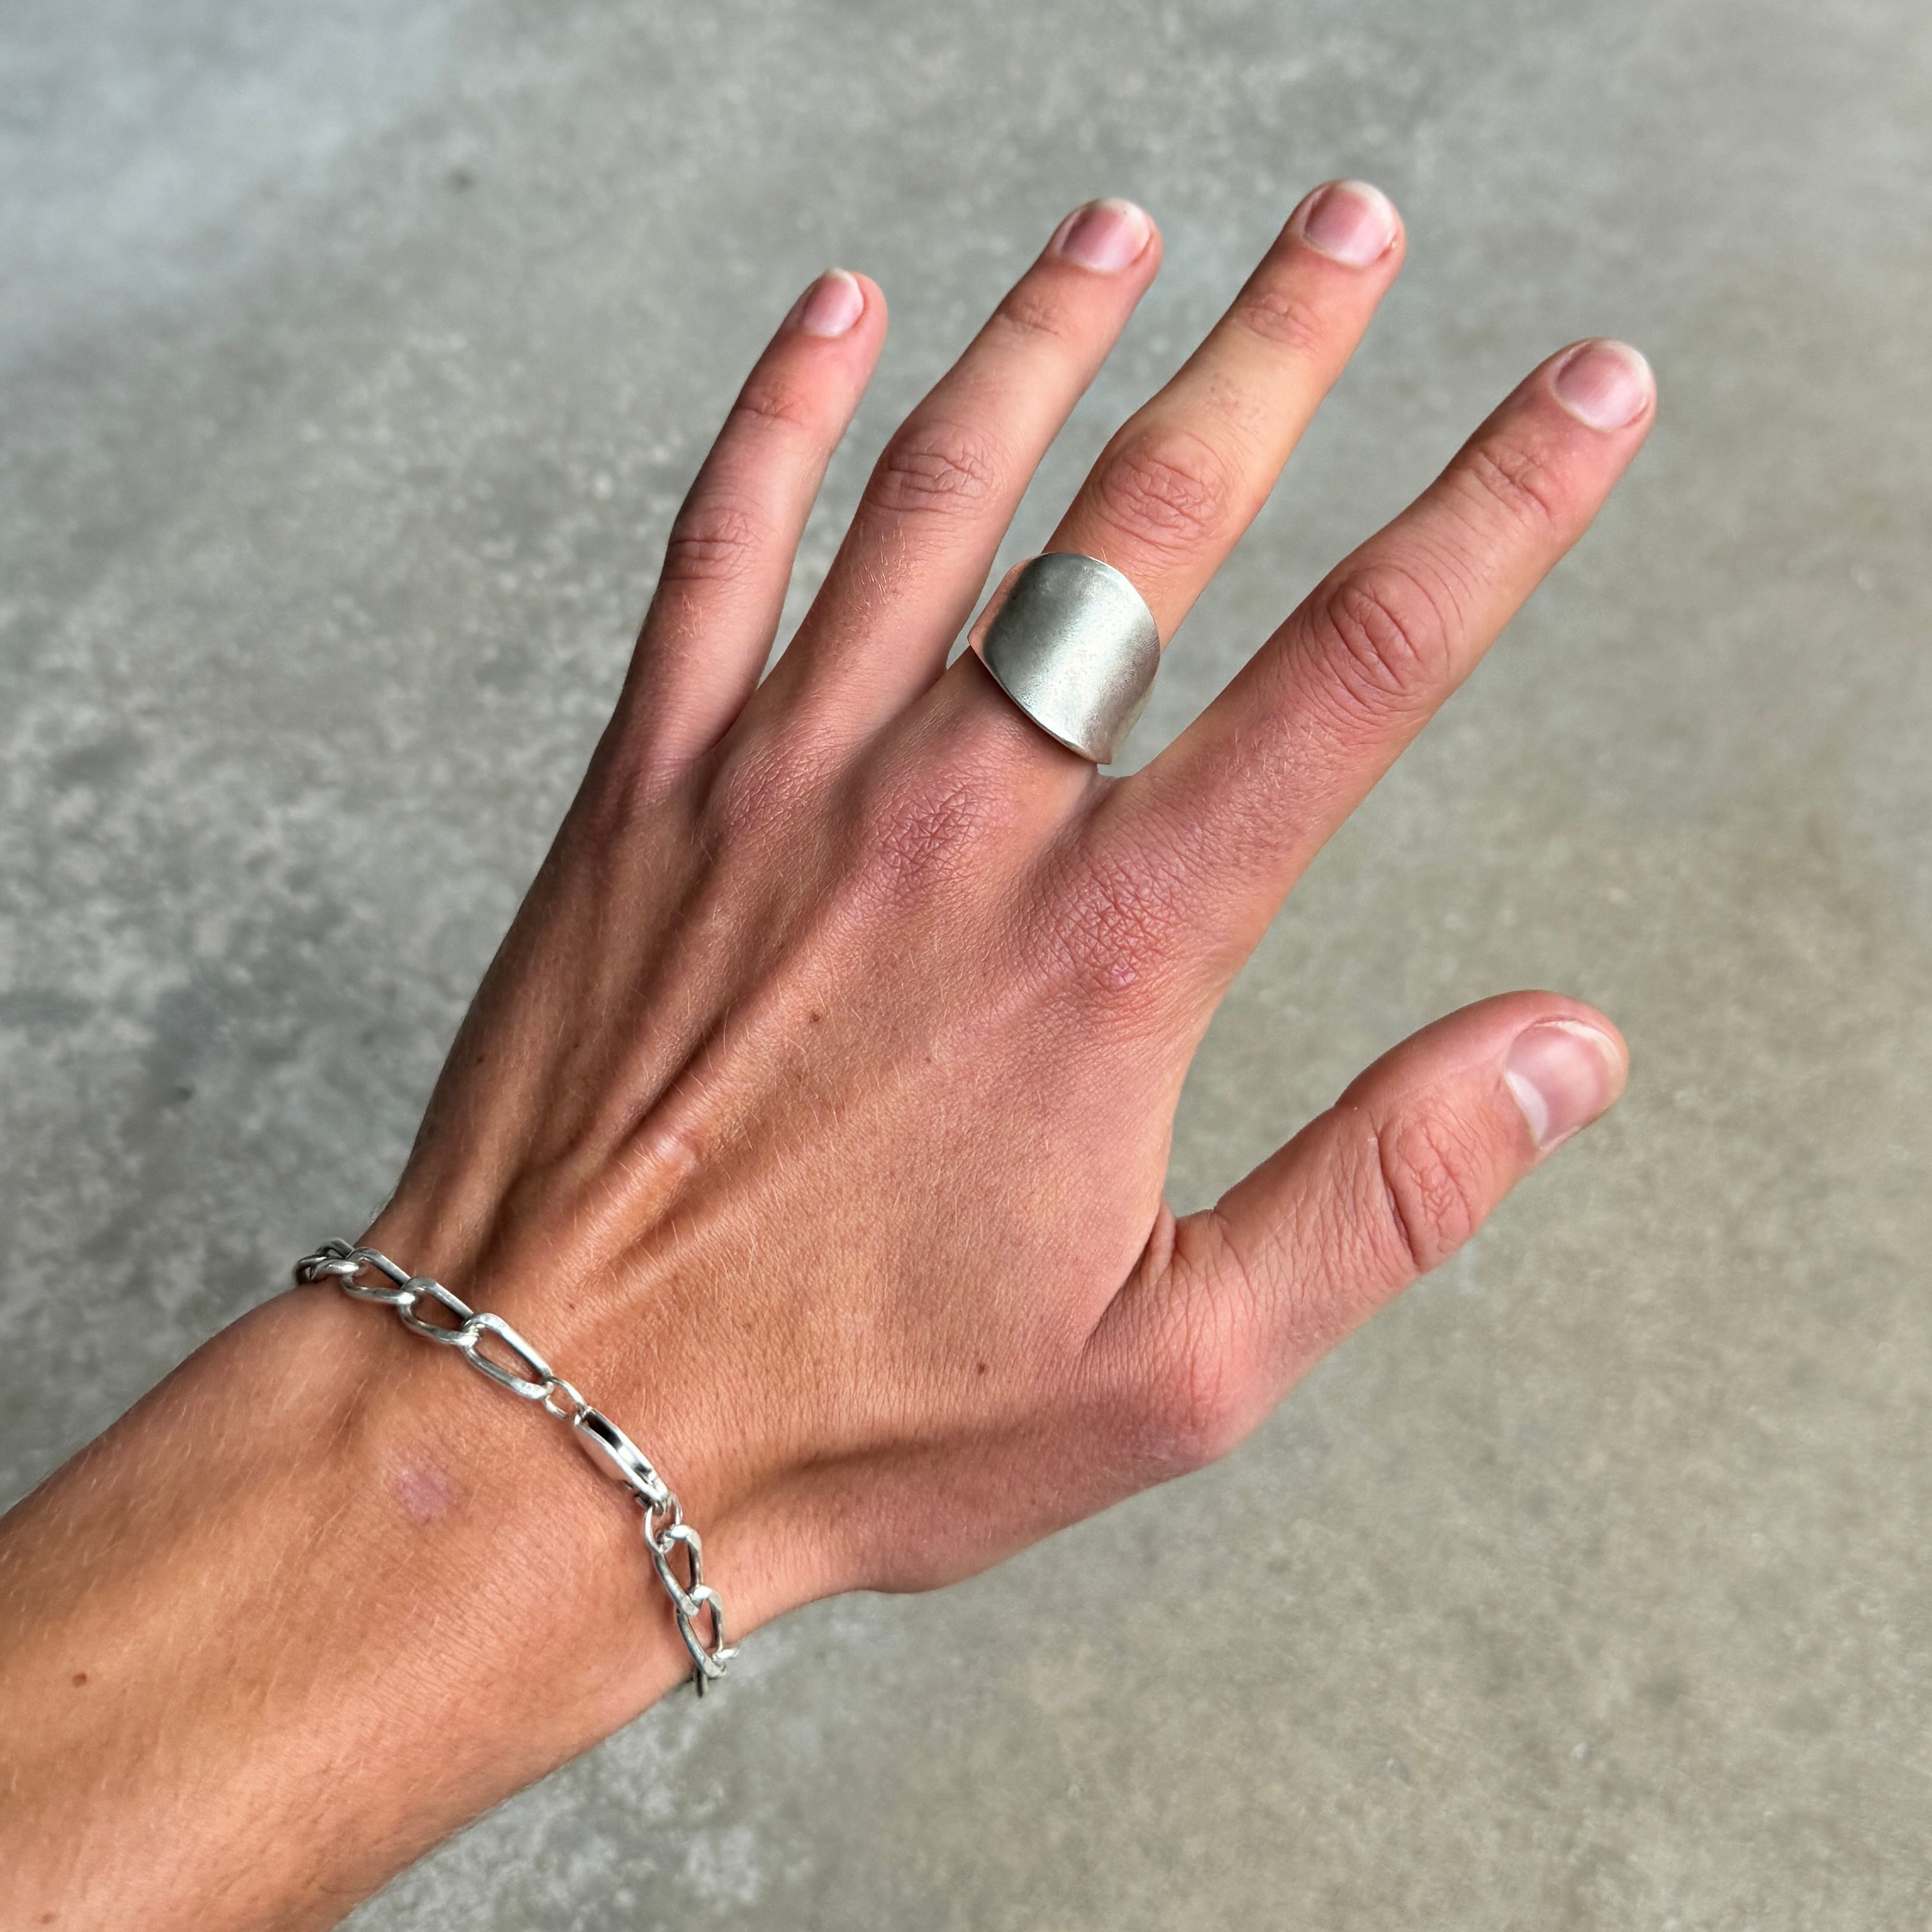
(667, 1537)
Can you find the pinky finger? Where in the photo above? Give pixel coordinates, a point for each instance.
(728, 560)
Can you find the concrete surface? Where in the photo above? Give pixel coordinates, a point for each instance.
(353, 357)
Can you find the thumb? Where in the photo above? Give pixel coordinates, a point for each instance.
(1391, 1181)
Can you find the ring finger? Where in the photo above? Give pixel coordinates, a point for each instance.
(947, 483)
(1186, 475)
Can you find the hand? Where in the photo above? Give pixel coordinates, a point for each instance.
(819, 1104)
(814, 1117)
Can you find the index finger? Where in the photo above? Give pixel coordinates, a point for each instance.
(1256, 786)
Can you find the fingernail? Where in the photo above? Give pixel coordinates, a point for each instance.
(1105, 236)
(1350, 221)
(1606, 385)
(1564, 1074)
(831, 305)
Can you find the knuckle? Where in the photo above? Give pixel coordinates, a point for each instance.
(924, 824)
(1428, 1199)
(632, 790)
(1284, 318)
(1031, 313)
(934, 468)
(1116, 920)
(768, 401)
(1189, 1420)
(764, 786)
(1518, 481)
(712, 541)
(1387, 636)
(1168, 491)
(1202, 1398)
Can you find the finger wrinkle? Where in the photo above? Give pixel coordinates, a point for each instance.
(1519, 481)
(1285, 320)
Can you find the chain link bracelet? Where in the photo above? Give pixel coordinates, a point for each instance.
(528, 1375)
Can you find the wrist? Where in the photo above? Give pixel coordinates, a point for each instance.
(486, 1522)
(315, 1594)
(644, 1351)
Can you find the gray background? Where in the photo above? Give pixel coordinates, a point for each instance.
(352, 358)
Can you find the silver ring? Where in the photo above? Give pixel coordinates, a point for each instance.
(1073, 644)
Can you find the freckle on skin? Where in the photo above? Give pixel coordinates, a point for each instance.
(425, 1493)
(80, 1679)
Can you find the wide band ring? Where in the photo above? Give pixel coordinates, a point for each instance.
(1073, 644)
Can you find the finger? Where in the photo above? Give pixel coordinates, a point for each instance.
(729, 556)
(946, 485)
(1386, 1184)
(1173, 491)
(1251, 791)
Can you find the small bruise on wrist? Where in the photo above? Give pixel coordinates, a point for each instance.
(424, 1491)
(295, 1564)
(482, 1525)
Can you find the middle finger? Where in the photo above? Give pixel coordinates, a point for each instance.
(1173, 491)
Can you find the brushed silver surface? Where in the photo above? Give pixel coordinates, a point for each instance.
(1072, 642)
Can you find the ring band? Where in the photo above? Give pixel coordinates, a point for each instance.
(1073, 644)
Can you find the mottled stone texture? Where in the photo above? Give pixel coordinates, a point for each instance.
(352, 358)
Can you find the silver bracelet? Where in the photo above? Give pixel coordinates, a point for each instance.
(613, 1453)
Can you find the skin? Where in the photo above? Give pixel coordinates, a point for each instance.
(814, 1117)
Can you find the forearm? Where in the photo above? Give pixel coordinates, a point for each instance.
(815, 1119)
(312, 1603)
